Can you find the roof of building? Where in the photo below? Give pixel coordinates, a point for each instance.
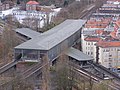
(77, 54)
(109, 5)
(105, 44)
(118, 23)
(32, 2)
(28, 32)
(92, 39)
(113, 34)
(105, 14)
(53, 36)
(96, 22)
(99, 32)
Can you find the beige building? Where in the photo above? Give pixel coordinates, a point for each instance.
(109, 53)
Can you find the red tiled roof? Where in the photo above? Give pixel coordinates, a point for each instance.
(92, 39)
(116, 27)
(118, 23)
(93, 23)
(95, 26)
(99, 31)
(32, 2)
(113, 34)
(105, 44)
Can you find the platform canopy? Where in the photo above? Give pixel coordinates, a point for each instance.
(28, 32)
(78, 55)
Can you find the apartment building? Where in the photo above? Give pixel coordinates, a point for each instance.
(101, 35)
(109, 53)
(89, 47)
(104, 47)
(93, 32)
(6, 5)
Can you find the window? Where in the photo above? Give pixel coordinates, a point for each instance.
(91, 43)
(88, 43)
(107, 50)
(110, 65)
(111, 49)
(91, 48)
(104, 50)
(115, 49)
(110, 55)
(91, 53)
(88, 53)
(88, 48)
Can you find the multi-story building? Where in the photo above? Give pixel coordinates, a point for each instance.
(89, 47)
(109, 53)
(93, 32)
(5, 5)
(110, 9)
(101, 35)
(35, 14)
(104, 49)
(32, 5)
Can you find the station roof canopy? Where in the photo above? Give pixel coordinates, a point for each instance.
(78, 55)
(53, 36)
(28, 32)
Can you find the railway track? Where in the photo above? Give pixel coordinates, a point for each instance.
(33, 70)
(88, 75)
(111, 85)
(28, 72)
(116, 84)
(102, 68)
(7, 66)
(85, 73)
(87, 11)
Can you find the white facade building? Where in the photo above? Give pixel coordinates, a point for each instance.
(109, 54)
(41, 16)
(106, 53)
(88, 46)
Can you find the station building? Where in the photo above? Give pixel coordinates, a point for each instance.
(51, 43)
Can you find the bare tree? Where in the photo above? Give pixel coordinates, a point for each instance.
(8, 41)
(20, 84)
(32, 23)
(45, 73)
